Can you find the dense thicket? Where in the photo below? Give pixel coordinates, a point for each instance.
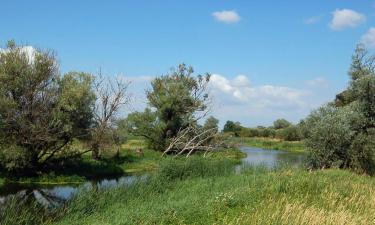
(342, 133)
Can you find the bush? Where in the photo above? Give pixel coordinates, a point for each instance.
(332, 139)
(291, 133)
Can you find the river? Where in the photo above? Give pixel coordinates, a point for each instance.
(54, 195)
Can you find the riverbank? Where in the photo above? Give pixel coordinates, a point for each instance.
(270, 143)
(200, 191)
(129, 162)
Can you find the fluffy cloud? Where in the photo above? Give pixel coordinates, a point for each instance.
(369, 38)
(345, 18)
(239, 91)
(237, 99)
(227, 16)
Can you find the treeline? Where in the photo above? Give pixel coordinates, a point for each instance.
(281, 129)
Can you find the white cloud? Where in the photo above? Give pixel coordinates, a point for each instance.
(346, 18)
(240, 90)
(239, 100)
(227, 16)
(369, 38)
(313, 20)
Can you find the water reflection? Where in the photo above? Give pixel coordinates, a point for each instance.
(52, 196)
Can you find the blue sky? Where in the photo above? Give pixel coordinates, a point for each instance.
(270, 58)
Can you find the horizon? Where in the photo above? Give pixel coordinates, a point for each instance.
(266, 62)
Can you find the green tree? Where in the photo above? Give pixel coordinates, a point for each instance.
(176, 101)
(281, 123)
(39, 111)
(231, 126)
(342, 133)
(211, 123)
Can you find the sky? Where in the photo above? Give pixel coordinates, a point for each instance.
(268, 59)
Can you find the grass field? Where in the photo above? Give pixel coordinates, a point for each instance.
(269, 143)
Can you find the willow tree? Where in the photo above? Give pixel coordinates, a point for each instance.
(176, 101)
(40, 112)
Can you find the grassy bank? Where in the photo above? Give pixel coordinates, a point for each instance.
(209, 192)
(269, 143)
(128, 162)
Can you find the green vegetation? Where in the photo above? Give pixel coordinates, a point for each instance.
(342, 133)
(127, 162)
(282, 129)
(273, 144)
(199, 191)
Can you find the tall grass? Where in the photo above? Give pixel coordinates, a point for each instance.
(208, 191)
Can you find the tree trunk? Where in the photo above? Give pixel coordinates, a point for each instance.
(95, 153)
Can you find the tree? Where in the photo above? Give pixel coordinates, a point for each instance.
(112, 96)
(211, 123)
(39, 112)
(231, 126)
(176, 101)
(342, 134)
(281, 123)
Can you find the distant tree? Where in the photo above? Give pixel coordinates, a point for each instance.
(211, 123)
(231, 126)
(281, 123)
(40, 112)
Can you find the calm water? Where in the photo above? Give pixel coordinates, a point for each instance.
(272, 158)
(54, 195)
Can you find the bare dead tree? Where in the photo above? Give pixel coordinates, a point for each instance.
(192, 139)
(112, 95)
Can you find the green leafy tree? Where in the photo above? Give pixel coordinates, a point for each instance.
(281, 123)
(176, 101)
(234, 127)
(342, 134)
(39, 110)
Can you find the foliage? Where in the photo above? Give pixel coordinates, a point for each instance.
(342, 133)
(281, 123)
(176, 100)
(40, 112)
(231, 126)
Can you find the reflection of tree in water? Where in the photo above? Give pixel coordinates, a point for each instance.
(34, 197)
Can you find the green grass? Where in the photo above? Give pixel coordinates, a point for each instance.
(253, 197)
(207, 191)
(269, 143)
